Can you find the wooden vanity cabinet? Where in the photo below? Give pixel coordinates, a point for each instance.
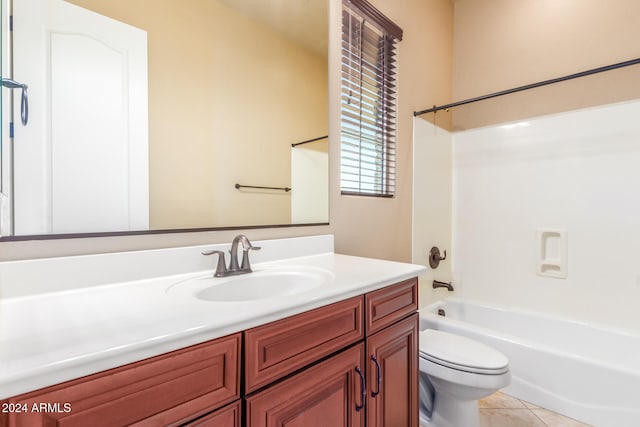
(353, 363)
(392, 356)
(363, 364)
(171, 389)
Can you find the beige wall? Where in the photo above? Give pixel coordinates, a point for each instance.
(211, 72)
(365, 226)
(500, 44)
(381, 228)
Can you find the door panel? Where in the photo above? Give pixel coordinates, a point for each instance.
(396, 351)
(81, 162)
(324, 395)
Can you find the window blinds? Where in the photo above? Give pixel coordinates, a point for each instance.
(368, 119)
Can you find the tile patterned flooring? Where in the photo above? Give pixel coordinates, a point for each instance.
(501, 410)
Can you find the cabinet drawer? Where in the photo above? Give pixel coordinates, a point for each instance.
(164, 390)
(279, 348)
(390, 304)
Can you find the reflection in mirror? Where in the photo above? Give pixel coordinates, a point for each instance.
(147, 121)
(5, 156)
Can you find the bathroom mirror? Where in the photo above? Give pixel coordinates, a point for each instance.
(176, 119)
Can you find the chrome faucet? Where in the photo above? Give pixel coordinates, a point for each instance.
(234, 268)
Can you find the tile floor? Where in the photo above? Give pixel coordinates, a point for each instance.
(501, 410)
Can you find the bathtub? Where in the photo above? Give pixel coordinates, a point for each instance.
(585, 372)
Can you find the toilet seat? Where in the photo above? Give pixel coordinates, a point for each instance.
(461, 353)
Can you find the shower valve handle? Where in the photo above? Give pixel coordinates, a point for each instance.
(435, 258)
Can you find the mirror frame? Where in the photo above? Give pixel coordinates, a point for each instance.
(27, 237)
(55, 236)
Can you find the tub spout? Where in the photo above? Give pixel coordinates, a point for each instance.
(439, 284)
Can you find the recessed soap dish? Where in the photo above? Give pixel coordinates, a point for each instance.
(552, 253)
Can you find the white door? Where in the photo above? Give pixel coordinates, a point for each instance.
(81, 162)
(5, 119)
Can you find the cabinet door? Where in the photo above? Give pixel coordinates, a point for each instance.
(392, 375)
(229, 416)
(327, 394)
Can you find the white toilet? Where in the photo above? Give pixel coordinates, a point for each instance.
(454, 373)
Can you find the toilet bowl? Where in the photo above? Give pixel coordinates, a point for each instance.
(459, 371)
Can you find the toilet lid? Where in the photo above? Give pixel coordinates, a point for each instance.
(461, 353)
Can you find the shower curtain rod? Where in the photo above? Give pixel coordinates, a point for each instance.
(529, 86)
(285, 189)
(309, 140)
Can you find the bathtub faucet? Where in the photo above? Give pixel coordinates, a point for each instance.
(439, 284)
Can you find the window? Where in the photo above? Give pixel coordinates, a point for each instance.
(368, 116)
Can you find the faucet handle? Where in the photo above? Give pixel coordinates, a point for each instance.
(246, 265)
(221, 267)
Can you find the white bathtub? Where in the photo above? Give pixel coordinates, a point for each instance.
(588, 373)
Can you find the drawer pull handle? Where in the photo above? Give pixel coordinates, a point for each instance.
(378, 378)
(363, 390)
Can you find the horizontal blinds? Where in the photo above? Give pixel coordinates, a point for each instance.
(368, 117)
(374, 15)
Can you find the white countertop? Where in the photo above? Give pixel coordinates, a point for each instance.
(48, 338)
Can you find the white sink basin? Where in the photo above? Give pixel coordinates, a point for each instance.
(260, 284)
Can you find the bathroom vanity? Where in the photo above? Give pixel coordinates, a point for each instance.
(371, 374)
(342, 353)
